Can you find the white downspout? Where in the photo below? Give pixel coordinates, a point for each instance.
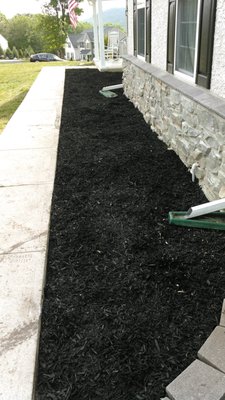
(113, 87)
(101, 35)
(205, 208)
(193, 169)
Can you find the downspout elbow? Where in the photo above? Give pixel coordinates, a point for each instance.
(193, 169)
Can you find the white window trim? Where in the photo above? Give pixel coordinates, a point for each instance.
(186, 77)
(142, 4)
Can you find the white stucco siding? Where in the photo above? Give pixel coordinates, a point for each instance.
(218, 66)
(159, 33)
(130, 39)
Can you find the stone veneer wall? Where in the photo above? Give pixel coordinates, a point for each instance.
(189, 119)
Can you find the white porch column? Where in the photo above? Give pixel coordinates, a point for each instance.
(101, 35)
(96, 41)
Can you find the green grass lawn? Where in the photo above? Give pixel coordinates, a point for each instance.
(15, 81)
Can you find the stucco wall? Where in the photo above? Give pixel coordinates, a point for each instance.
(159, 33)
(159, 41)
(218, 67)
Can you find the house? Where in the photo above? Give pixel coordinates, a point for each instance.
(3, 43)
(174, 74)
(116, 39)
(80, 46)
(103, 58)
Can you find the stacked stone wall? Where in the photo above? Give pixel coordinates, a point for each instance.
(194, 132)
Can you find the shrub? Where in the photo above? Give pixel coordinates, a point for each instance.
(8, 53)
(15, 52)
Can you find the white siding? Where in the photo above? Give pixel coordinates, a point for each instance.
(159, 33)
(3, 43)
(130, 39)
(159, 41)
(218, 67)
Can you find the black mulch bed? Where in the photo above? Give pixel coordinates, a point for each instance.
(129, 299)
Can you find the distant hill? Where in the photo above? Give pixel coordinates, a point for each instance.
(113, 16)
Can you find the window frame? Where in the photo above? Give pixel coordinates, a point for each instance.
(179, 74)
(206, 43)
(141, 4)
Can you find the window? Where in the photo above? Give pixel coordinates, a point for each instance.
(190, 39)
(142, 29)
(186, 36)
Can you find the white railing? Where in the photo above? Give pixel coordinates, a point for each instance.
(111, 52)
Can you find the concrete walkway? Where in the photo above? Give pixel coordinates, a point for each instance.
(28, 150)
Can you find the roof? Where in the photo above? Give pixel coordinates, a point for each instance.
(86, 52)
(76, 38)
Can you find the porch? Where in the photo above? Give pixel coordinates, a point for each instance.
(105, 58)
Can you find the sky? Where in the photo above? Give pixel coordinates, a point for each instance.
(12, 7)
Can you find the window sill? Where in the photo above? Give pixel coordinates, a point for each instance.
(202, 96)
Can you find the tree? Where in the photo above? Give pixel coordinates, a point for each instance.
(54, 25)
(15, 52)
(3, 25)
(21, 53)
(110, 25)
(23, 32)
(52, 36)
(28, 52)
(8, 53)
(105, 40)
(81, 26)
(59, 9)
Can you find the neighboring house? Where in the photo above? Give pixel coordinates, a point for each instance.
(174, 74)
(3, 43)
(81, 46)
(116, 39)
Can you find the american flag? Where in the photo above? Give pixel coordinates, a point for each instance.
(72, 5)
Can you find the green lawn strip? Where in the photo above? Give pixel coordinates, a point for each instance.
(15, 82)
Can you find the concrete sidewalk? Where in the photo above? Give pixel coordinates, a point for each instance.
(28, 151)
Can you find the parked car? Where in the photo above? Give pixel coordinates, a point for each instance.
(44, 57)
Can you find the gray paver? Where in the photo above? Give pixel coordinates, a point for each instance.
(198, 382)
(213, 350)
(222, 318)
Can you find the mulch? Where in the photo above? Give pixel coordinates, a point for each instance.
(129, 299)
